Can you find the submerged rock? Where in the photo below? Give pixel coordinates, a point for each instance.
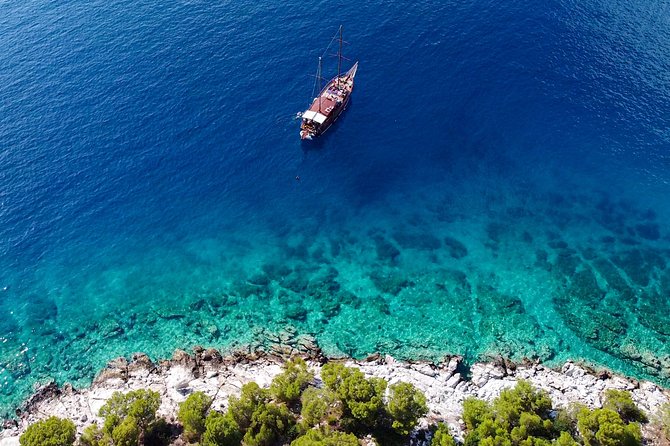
(423, 241)
(389, 282)
(385, 250)
(649, 231)
(456, 249)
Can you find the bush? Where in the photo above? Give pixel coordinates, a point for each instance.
(442, 436)
(362, 398)
(565, 419)
(511, 403)
(565, 439)
(127, 433)
(221, 430)
(128, 417)
(317, 437)
(333, 374)
(406, 405)
(531, 426)
(288, 385)
(622, 403)
(93, 436)
(475, 411)
(519, 416)
(604, 427)
(192, 413)
(489, 432)
(141, 405)
(243, 408)
(320, 406)
(269, 423)
(53, 431)
(663, 420)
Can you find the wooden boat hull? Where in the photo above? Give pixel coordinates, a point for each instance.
(328, 106)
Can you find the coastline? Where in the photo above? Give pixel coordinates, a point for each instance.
(445, 385)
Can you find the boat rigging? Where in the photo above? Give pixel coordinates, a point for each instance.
(332, 99)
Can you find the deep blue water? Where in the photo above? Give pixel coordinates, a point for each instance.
(498, 185)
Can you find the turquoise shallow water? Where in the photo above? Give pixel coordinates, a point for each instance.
(498, 186)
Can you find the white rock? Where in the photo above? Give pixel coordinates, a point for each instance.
(454, 380)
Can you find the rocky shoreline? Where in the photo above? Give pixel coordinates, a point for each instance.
(445, 385)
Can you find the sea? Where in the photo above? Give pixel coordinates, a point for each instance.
(498, 187)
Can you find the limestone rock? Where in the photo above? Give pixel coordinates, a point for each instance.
(181, 357)
(211, 355)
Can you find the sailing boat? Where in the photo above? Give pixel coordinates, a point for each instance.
(331, 101)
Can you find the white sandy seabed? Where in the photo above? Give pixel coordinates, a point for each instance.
(444, 385)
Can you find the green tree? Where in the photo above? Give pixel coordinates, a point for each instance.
(191, 415)
(243, 408)
(531, 426)
(53, 431)
(221, 430)
(269, 423)
(663, 420)
(489, 433)
(565, 419)
(288, 385)
(442, 436)
(622, 403)
(406, 404)
(517, 417)
(127, 432)
(333, 375)
(94, 436)
(604, 427)
(511, 403)
(475, 411)
(362, 398)
(141, 405)
(319, 437)
(565, 439)
(320, 406)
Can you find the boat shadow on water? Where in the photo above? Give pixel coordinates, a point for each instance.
(322, 142)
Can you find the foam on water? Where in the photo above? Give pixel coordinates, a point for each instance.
(497, 187)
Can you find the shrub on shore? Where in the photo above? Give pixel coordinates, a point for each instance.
(622, 403)
(260, 420)
(663, 421)
(129, 420)
(524, 416)
(604, 427)
(53, 431)
(320, 407)
(294, 379)
(242, 408)
(270, 423)
(442, 436)
(221, 430)
(405, 406)
(362, 397)
(321, 437)
(192, 413)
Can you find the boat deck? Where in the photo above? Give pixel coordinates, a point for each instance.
(331, 96)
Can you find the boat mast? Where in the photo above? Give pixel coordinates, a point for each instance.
(339, 59)
(318, 76)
